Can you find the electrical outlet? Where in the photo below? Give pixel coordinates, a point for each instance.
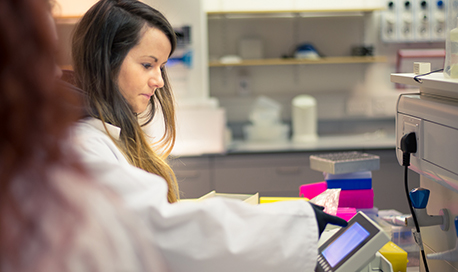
(413, 125)
(438, 20)
(414, 21)
(407, 20)
(389, 22)
(422, 21)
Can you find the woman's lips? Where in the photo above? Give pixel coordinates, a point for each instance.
(147, 95)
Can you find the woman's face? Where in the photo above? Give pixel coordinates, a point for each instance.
(141, 71)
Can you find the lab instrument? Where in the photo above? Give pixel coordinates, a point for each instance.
(432, 114)
(353, 247)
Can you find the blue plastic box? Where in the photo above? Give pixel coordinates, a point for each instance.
(350, 181)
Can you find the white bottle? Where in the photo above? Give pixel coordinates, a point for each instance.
(304, 118)
(454, 52)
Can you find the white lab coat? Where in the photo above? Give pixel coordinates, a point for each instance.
(217, 235)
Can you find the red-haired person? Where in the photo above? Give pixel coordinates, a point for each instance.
(53, 217)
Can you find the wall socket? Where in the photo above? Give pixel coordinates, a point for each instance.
(411, 124)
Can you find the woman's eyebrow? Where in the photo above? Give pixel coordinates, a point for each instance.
(156, 59)
(153, 57)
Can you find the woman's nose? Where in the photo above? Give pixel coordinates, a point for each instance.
(156, 80)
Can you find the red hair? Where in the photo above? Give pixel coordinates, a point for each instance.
(34, 114)
(32, 107)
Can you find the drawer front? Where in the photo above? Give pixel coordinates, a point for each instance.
(270, 174)
(193, 176)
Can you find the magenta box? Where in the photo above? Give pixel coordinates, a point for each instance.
(346, 213)
(311, 190)
(360, 199)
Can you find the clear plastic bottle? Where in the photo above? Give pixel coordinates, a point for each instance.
(454, 52)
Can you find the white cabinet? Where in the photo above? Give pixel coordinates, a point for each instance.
(338, 78)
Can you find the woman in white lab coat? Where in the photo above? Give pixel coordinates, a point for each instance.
(120, 48)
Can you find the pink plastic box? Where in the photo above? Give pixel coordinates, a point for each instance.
(313, 189)
(359, 199)
(346, 213)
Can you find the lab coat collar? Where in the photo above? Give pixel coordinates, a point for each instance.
(113, 131)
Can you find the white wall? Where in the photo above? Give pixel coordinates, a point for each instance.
(189, 13)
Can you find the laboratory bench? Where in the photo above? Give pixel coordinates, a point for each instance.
(278, 169)
(330, 143)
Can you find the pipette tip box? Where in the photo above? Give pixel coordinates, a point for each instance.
(344, 162)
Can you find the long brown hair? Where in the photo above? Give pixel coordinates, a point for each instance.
(34, 121)
(101, 41)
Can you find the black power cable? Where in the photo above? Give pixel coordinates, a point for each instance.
(418, 79)
(409, 146)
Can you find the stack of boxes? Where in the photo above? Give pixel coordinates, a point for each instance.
(350, 172)
(356, 189)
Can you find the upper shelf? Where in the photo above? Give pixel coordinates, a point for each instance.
(71, 19)
(291, 61)
(300, 12)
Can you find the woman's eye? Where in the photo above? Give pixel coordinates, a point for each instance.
(147, 65)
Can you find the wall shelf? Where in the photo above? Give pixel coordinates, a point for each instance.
(293, 12)
(291, 61)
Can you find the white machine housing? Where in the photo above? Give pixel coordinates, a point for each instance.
(433, 115)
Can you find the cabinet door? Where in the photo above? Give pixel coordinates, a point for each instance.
(281, 174)
(269, 174)
(193, 176)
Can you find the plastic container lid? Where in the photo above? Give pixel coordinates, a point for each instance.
(352, 175)
(344, 162)
(396, 256)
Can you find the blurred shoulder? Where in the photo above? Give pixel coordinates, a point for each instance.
(78, 226)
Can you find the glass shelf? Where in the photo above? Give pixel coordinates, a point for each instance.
(299, 11)
(291, 61)
(291, 13)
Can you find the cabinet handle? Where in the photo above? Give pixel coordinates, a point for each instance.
(288, 170)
